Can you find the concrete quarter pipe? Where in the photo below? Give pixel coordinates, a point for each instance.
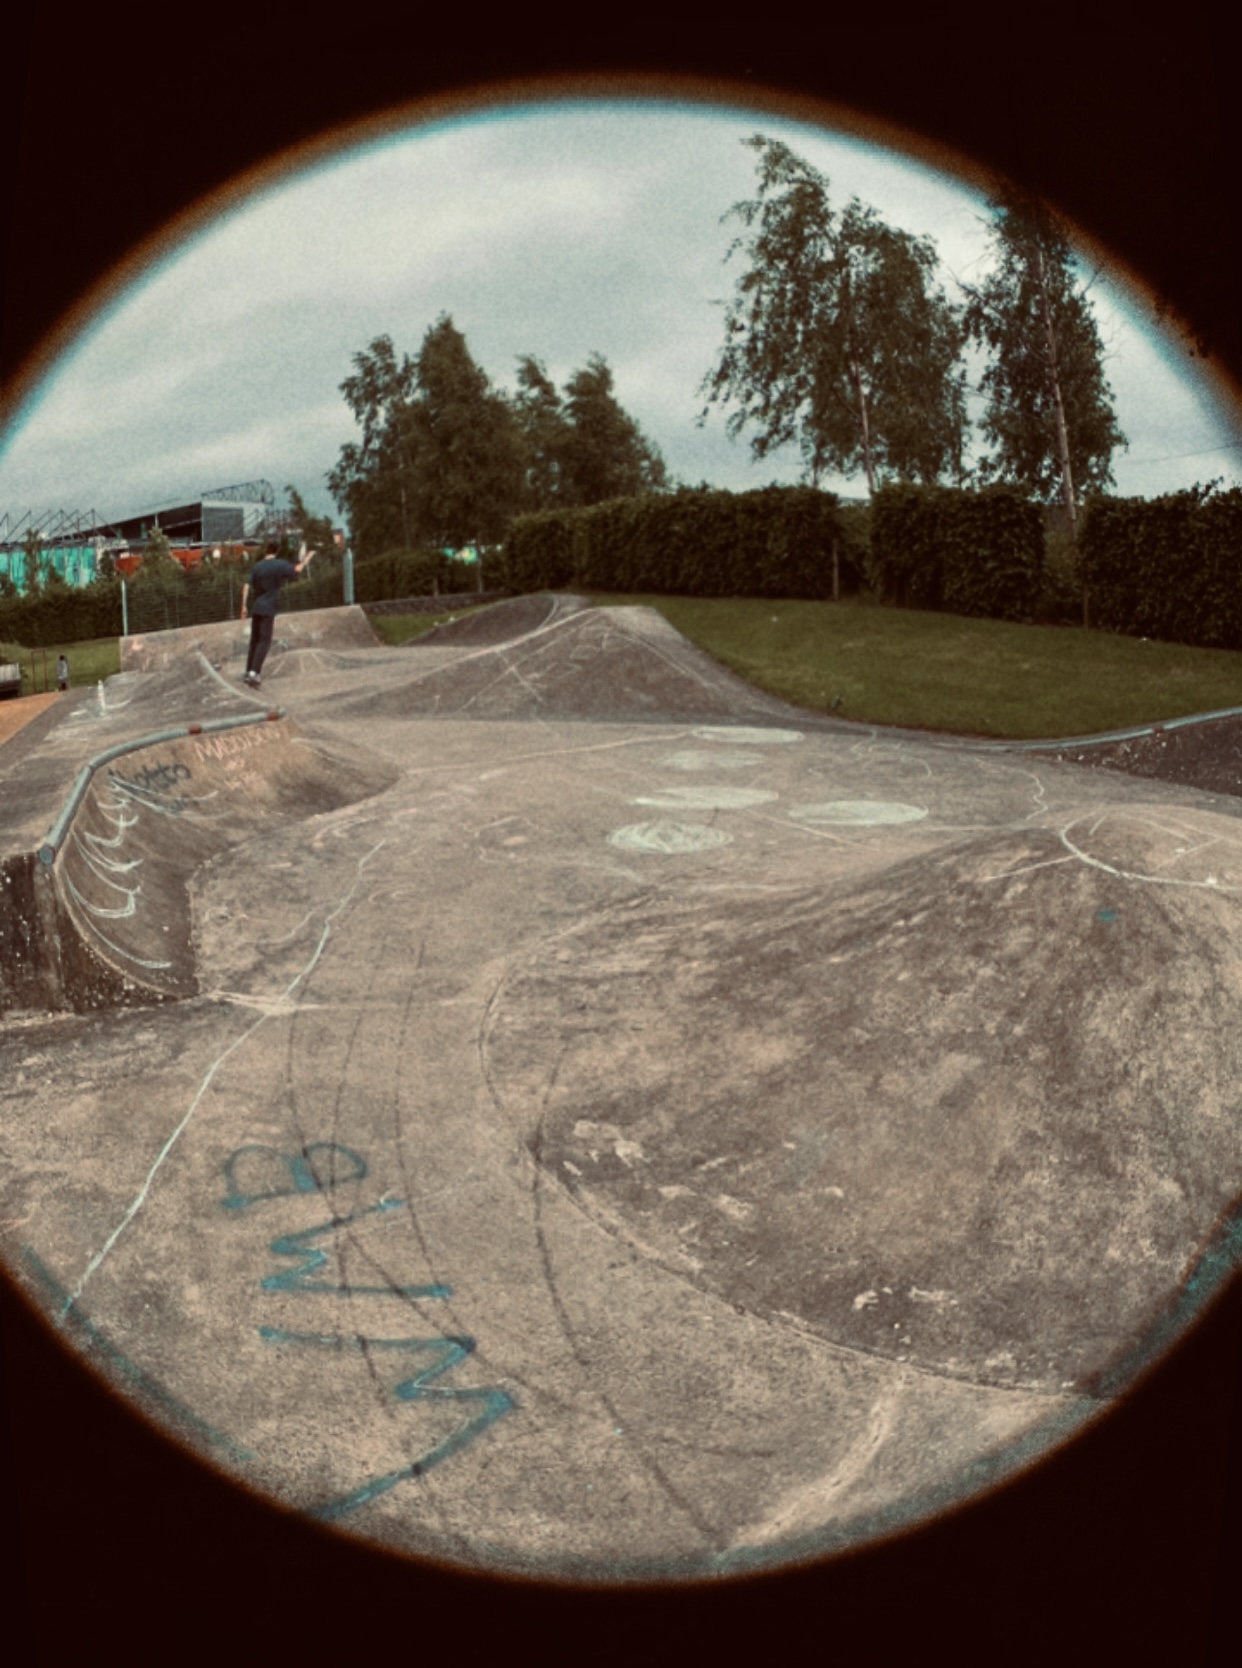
(538, 1103)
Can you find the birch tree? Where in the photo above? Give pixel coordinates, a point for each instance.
(1049, 416)
(839, 338)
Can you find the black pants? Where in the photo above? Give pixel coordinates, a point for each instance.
(261, 627)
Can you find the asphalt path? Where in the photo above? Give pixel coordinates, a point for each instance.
(543, 1105)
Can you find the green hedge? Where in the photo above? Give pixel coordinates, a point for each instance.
(1169, 567)
(776, 542)
(62, 614)
(977, 553)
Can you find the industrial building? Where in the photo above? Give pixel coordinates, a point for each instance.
(74, 543)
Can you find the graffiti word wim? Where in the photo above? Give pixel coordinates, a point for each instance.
(447, 1352)
(320, 1168)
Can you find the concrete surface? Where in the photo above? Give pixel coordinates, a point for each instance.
(591, 1119)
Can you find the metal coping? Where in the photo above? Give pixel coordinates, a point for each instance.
(50, 848)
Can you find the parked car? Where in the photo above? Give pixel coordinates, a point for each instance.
(10, 678)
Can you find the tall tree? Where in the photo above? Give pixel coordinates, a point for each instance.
(466, 445)
(605, 453)
(159, 565)
(440, 459)
(545, 429)
(838, 337)
(315, 530)
(1050, 415)
(371, 481)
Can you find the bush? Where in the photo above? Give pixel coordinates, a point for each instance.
(62, 614)
(972, 553)
(775, 542)
(1166, 567)
(397, 573)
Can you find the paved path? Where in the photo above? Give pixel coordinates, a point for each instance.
(17, 712)
(571, 1113)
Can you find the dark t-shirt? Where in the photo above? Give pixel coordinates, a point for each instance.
(266, 578)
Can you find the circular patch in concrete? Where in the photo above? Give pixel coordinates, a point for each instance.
(707, 798)
(859, 813)
(672, 838)
(749, 735)
(716, 759)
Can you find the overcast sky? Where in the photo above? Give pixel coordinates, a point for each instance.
(555, 230)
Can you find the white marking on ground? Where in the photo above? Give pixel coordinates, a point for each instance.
(707, 798)
(1209, 883)
(1027, 868)
(752, 737)
(859, 813)
(718, 759)
(669, 838)
(205, 1083)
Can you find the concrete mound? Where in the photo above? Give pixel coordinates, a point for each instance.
(502, 622)
(891, 1112)
(225, 642)
(602, 664)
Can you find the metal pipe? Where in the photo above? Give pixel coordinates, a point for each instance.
(54, 839)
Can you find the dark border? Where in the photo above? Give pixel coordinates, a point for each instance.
(1131, 1533)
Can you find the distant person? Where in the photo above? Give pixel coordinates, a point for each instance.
(62, 674)
(266, 578)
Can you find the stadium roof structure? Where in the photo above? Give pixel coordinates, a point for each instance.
(221, 515)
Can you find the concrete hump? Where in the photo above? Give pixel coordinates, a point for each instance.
(502, 622)
(892, 1111)
(602, 664)
(225, 642)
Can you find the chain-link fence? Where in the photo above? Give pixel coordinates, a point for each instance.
(200, 597)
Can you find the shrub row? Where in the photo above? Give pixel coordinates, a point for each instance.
(1166, 567)
(62, 614)
(777, 541)
(967, 552)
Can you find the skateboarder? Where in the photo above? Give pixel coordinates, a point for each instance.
(266, 578)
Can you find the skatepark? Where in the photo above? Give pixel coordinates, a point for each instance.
(532, 1101)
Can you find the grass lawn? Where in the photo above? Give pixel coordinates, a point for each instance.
(89, 662)
(941, 672)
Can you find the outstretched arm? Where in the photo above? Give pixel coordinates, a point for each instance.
(245, 594)
(304, 557)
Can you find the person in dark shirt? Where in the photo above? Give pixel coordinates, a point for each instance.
(264, 585)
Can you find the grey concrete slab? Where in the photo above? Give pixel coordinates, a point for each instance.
(613, 1125)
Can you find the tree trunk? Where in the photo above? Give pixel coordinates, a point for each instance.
(1054, 385)
(864, 425)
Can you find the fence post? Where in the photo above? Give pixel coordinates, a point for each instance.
(124, 609)
(347, 569)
